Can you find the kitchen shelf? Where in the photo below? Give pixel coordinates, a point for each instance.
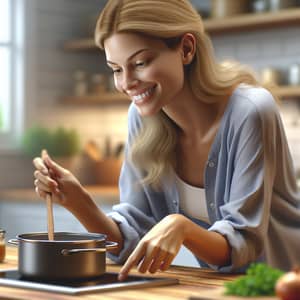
(86, 44)
(284, 92)
(250, 21)
(253, 21)
(287, 91)
(105, 98)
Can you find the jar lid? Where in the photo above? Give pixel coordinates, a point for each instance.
(2, 230)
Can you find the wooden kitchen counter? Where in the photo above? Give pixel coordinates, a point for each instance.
(193, 282)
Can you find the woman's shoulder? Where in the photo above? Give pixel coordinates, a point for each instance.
(256, 103)
(247, 98)
(250, 109)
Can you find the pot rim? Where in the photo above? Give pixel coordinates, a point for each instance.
(97, 237)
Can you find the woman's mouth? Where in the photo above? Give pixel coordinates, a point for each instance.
(143, 97)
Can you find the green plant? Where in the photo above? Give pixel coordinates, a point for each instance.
(65, 142)
(59, 142)
(260, 280)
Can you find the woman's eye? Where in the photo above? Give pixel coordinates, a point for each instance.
(116, 71)
(140, 64)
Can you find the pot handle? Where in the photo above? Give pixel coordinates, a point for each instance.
(14, 242)
(108, 246)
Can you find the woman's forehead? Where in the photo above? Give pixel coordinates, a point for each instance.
(120, 46)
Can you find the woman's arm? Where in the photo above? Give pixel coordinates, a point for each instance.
(209, 246)
(160, 245)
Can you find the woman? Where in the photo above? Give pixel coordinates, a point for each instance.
(207, 162)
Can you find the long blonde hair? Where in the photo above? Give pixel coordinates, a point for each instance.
(154, 148)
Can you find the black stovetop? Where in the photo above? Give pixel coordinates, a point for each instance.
(106, 282)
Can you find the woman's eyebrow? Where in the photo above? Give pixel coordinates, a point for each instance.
(130, 57)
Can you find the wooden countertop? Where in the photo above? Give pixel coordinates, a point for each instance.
(194, 283)
(101, 194)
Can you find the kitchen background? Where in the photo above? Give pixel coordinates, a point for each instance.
(57, 68)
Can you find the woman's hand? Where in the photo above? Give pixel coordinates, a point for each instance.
(158, 247)
(52, 178)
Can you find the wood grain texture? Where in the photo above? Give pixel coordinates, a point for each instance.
(194, 283)
(50, 219)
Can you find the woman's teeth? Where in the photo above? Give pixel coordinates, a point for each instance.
(141, 97)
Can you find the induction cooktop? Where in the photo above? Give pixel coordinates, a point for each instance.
(106, 282)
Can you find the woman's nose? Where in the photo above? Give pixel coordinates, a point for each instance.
(128, 81)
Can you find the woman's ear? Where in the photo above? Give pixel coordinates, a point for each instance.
(188, 48)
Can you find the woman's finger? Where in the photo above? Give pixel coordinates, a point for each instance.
(42, 186)
(44, 154)
(40, 193)
(46, 180)
(132, 261)
(40, 165)
(167, 262)
(158, 261)
(150, 255)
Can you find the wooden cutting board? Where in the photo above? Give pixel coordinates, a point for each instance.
(218, 294)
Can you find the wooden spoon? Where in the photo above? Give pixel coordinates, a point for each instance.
(50, 222)
(50, 217)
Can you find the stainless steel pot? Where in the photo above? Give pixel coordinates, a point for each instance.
(69, 256)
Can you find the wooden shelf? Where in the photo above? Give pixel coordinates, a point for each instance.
(251, 21)
(108, 98)
(284, 92)
(86, 44)
(287, 91)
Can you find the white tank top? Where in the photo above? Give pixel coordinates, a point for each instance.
(192, 200)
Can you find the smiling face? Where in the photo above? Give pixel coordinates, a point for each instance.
(145, 69)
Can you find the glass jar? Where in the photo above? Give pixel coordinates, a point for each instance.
(80, 83)
(98, 83)
(2, 245)
(294, 74)
(259, 6)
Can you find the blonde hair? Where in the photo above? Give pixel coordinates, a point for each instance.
(154, 148)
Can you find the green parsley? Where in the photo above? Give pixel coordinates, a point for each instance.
(260, 280)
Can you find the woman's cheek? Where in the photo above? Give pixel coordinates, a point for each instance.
(117, 84)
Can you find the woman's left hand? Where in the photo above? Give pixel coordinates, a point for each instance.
(158, 247)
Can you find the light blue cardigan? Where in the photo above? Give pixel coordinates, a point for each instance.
(250, 186)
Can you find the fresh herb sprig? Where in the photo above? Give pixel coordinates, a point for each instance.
(260, 280)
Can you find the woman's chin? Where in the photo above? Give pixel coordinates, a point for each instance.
(147, 111)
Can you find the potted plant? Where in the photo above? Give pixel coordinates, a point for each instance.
(62, 144)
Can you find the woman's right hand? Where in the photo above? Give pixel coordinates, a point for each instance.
(67, 191)
(52, 178)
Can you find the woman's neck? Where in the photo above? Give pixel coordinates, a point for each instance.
(195, 117)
